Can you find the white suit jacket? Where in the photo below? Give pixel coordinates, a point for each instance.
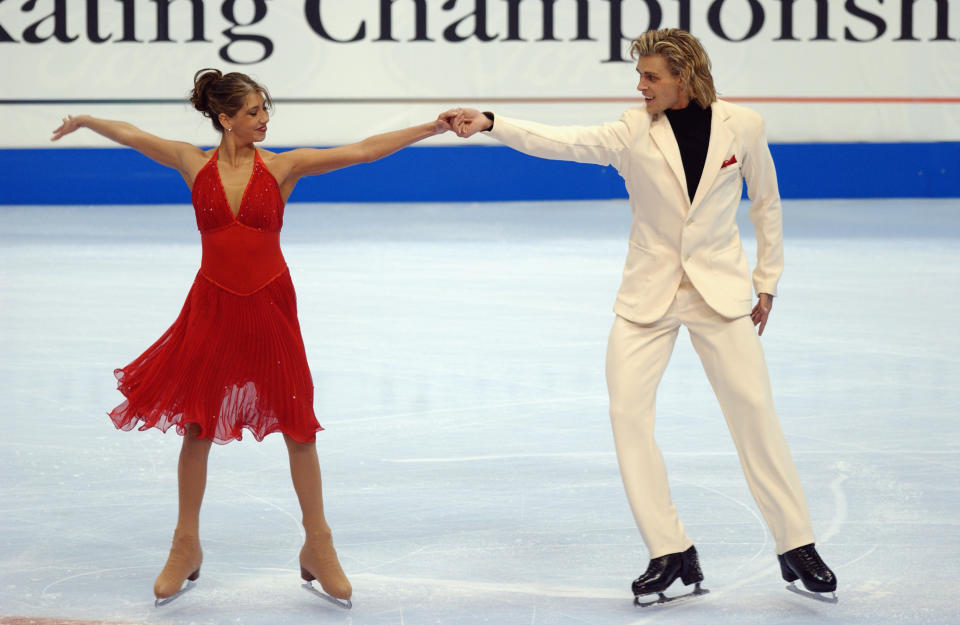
(670, 234)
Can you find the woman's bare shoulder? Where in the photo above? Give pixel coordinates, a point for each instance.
(266, 155)
(195, 160)
(278, 164)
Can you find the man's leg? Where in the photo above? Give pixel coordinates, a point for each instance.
(636, 358)
(733, 358)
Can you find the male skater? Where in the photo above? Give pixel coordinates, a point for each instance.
(684, 154)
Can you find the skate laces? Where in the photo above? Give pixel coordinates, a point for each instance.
(811, 559)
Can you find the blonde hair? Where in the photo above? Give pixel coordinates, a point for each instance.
(685, 57)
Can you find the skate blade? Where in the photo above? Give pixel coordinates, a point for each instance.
(340, 603)
(162, 602)
(817, 596)
(662, 599)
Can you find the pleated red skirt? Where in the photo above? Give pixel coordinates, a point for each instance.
(227, 363)
(234, 358)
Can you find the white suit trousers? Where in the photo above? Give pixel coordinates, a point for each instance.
(732, 357)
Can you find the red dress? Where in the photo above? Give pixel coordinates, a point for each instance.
(234, 358)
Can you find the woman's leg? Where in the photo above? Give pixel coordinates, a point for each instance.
(318, 558)
(185, 554)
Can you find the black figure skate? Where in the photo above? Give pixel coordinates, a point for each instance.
(663, 571)
(805, 564)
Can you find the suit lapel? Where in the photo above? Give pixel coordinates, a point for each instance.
(662, 135)
(720, 139)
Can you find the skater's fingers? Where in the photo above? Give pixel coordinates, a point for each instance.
(761, 319)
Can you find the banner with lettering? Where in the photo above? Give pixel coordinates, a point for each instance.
(818, 70)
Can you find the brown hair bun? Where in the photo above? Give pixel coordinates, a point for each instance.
(215, 92)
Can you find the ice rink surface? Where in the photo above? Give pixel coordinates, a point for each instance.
(458, 352)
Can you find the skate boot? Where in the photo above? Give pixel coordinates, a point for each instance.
(318, 561)
(183, 563)
(805, 564)
(663, 571)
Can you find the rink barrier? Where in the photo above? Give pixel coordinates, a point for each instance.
(477, 174)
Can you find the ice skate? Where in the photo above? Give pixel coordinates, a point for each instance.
(183, 564)
(805, 564)
(318, 561)
(662, 572)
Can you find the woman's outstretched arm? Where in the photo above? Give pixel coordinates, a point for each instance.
(310, 161)
(175, 154)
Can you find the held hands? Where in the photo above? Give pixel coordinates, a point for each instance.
(466, 122)
(441, 125)
(70, 123)
(761, 311)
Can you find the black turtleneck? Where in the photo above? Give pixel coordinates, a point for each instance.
(691, 127)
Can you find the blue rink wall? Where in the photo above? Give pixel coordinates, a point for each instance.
(477, 173)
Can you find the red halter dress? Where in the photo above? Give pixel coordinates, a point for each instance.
(234, 358)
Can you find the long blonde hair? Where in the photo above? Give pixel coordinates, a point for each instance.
(685, 57)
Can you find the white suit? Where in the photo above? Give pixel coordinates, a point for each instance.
(685, 266)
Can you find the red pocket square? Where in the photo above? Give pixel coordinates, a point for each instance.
(729, 161)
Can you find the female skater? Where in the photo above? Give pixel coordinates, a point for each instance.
(234, 358)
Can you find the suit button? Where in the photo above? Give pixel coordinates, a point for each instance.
(687, 257)
(690, 221)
